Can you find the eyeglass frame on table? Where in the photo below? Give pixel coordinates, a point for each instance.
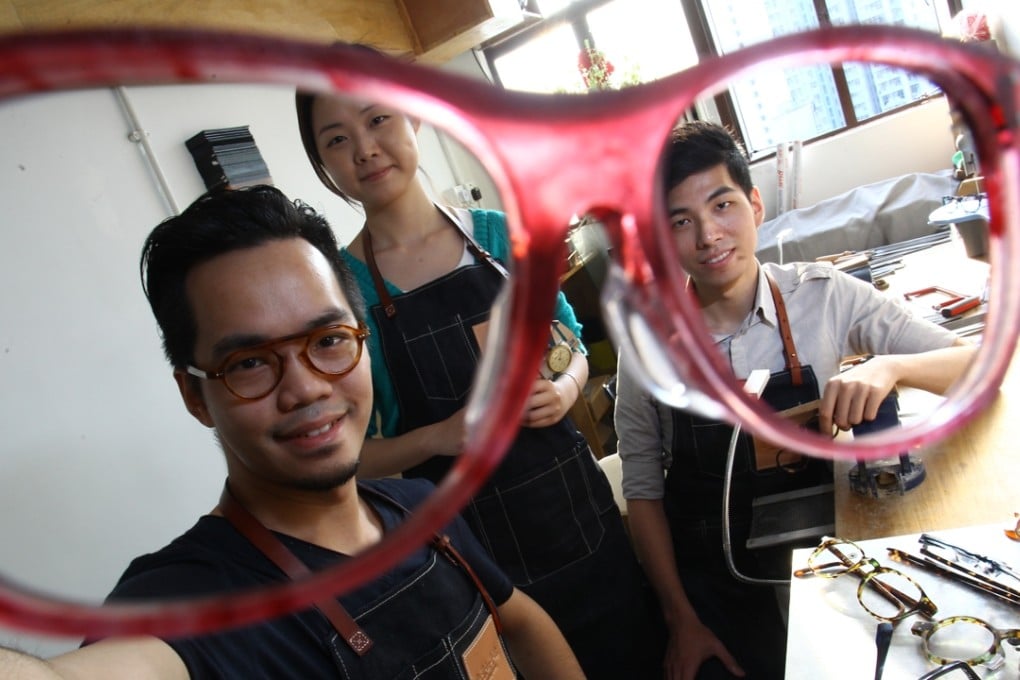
(831, 606)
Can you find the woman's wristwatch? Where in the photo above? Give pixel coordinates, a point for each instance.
(562, 345)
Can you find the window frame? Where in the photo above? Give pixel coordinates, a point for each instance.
(576, 15)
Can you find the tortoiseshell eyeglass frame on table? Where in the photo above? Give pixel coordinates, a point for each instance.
(992, 656)
(551, 157)
(871, 573)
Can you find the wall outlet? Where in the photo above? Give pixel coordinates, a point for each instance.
(465, 195)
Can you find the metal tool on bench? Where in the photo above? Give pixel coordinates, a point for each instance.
(948, 311)
(873, 264)
(885, 477)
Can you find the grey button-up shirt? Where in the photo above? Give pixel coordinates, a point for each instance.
(832, 316)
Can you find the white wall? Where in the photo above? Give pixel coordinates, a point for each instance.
(915, 140)
(101, 461)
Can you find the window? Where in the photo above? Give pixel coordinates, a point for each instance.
(649, 39)
(643, 40)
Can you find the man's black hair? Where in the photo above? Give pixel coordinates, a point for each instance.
(219, 222)
(699, 145)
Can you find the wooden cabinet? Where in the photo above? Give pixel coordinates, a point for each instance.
(593, 415)
(441, 29)
(431, 31)
(582, 285)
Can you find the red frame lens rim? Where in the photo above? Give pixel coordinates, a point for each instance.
(498, 128)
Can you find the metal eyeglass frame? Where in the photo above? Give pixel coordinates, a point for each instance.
(551, 157)
(958, 668)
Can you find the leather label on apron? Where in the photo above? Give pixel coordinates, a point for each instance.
(767, 455)
(485, 658)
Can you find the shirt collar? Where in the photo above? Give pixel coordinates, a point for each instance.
(764, 306)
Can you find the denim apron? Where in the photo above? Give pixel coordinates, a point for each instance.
(745, 617)
(547, 514)
(694, 483)
(425, 624)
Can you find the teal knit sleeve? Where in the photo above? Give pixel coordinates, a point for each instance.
(492, 235)
(385, 414)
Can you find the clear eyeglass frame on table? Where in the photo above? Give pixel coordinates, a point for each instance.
(551, 157)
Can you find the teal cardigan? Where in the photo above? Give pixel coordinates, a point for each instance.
(491, 234)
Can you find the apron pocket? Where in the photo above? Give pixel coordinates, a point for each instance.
(445, 661)
(710, 445)
(539, 524)
(409, 644)
(444, 360)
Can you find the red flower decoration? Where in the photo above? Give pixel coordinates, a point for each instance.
(595, 68)
(973, 26)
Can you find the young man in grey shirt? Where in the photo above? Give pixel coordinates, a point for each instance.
(673, 462)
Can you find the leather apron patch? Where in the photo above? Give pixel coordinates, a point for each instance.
(767, 455)
(485, 658)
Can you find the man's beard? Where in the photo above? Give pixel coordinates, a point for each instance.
(330, 480)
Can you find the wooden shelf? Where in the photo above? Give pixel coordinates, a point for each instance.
(591, 413)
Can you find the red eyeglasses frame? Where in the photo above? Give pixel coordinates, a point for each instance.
(613, 141)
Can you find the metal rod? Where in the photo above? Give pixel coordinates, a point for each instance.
(141, 137)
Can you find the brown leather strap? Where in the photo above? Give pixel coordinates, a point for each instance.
(789, 348)
(472, 245)
(271, 547)
(380, 284)
(443, 544)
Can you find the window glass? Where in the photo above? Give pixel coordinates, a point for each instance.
(546, 63)
(547, 7)
(916, 13)
(877, 89)
(800, 104)
(648, 39)
(736, 24)
(643, 39)
(775, 106)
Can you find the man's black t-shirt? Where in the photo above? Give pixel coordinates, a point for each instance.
(212, 557)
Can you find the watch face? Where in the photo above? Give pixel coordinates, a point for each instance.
(558, 358)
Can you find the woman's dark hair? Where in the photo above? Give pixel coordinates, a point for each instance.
(219, 222)
(698, 145)
(303, 103)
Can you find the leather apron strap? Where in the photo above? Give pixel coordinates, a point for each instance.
(789, 348)
(270, 546)
(380, 285)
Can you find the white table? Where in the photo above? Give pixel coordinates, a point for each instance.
(832, 636)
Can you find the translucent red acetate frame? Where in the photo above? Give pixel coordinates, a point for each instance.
(551, 158)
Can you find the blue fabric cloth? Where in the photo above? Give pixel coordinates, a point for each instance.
(490, 232)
